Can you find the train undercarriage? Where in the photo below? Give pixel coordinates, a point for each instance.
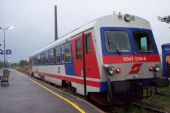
(122, 92)
(127, 91)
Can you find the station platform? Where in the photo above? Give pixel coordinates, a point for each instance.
(28, 95)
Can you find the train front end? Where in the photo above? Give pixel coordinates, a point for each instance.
(131, 64)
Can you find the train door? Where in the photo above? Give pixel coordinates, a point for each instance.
(79, 61)
(85, 58)
(91, 65)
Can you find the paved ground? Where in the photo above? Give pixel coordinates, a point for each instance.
(24, 96)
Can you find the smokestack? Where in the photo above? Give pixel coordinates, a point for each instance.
(55, 23)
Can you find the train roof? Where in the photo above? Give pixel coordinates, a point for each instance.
(105, 21)
(167, 44)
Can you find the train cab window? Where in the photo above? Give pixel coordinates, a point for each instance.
(51, 56)
(117, 41)
(143, 42)
(58, 55)
(46, 57)
(88, 44)
(78, 49)
(67, 53)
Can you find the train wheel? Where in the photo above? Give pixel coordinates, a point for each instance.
(100, 98)
(31, 74)
(68, 86)
(42, 78)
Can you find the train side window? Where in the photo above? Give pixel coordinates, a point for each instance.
(78, 49)
(51, 56)
(34, 61)
(67, 53)
(46, 57)
(143, 42)
(42, 58)
(30, 60)
(58, 55)
(88, 44)
(38, 59)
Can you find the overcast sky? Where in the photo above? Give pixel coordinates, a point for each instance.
(34, 20)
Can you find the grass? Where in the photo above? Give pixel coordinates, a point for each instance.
(162, 99)
(22, 69)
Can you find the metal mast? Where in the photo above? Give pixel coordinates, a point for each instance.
(55, 23)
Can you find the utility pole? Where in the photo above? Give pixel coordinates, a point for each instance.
(4, 52)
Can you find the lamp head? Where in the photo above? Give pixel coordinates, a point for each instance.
(10, 27)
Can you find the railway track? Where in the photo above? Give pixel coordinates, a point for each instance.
(110, 109)
(149, 107)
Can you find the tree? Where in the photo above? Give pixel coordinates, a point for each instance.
(165, 19)
(23, 63)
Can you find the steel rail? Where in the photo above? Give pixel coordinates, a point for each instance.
(149, 106)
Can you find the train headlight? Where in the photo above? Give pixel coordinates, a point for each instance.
(111, 70)
(157, 67)
(128, 17)
(106, 66)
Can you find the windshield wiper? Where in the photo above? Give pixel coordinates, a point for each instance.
(110, 44)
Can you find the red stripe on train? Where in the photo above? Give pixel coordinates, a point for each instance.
(130, 59)
(88, 82)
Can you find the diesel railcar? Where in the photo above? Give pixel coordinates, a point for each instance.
(111, 59)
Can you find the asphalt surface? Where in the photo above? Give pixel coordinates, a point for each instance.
(24, 96)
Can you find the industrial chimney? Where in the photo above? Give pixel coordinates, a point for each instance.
(55, 23)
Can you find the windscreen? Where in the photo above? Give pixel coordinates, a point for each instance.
(117, 41)
(143, 42)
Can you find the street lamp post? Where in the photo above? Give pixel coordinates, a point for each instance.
(4, 30)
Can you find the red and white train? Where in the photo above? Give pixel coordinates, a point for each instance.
(113, 58)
